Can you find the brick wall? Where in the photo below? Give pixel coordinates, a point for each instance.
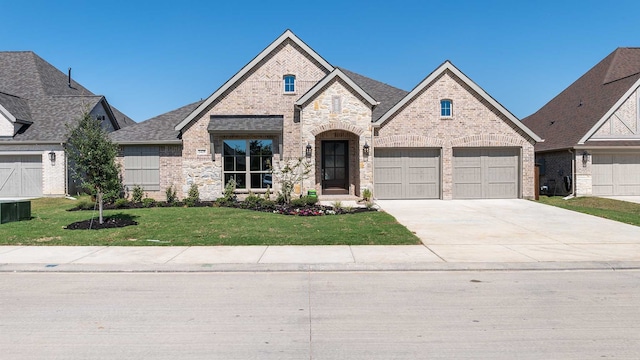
(474, 123)
(259, 92)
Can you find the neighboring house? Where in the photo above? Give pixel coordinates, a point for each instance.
(36, 101)
(445, 139)
(591, 131)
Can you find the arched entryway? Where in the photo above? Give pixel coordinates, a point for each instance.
(337, 170)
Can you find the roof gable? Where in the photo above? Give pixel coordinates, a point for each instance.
(336, 74)
(288, 35)
(16, 109)
(448, 66)
(579, 110)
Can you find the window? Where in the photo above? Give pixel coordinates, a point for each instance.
(142, 167)
(445, 108)
(289, 83)
(247, 162)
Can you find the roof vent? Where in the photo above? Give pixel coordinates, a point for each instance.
(69, 77)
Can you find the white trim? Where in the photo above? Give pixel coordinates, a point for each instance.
(7, 114)
(608, 114)
(286, 35)
(447, 65)
(335, 73)
(25, 152)
(159, 142)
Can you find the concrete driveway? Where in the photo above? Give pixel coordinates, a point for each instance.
(513, 231)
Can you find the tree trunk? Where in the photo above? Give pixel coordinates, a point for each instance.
(101, 220)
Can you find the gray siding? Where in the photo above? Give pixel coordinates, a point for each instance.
(142, 167)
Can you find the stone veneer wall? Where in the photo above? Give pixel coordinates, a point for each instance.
(352, 123)
(259, 92)
(474, 123)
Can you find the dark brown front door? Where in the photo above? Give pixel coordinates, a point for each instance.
(335, 169)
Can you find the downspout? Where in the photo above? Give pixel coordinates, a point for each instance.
(66, 168)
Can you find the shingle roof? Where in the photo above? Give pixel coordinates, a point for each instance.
(246, 124)
(386, 94)
(29, 77)
(564, 120)
(156, 129)
(51, 114)
(18, 107)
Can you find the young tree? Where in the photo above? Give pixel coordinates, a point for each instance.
(92, 158)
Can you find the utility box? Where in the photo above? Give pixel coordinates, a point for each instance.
(14, 211)
(312, 193)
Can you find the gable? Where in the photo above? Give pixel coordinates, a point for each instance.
(623, 122)
(474, 106)
(287, 55)
(6, 125)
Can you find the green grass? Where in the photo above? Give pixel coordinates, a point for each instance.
(203, 226)
(622, 211)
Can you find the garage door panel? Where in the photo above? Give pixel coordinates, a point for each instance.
(407, 173)
(485, 173)
(20, 175)
(615, 174)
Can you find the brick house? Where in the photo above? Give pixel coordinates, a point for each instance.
(592, 131)
(37, 101)
(445, 139)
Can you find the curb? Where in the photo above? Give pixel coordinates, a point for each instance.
(348, 267)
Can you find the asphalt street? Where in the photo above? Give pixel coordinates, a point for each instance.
(321, 315)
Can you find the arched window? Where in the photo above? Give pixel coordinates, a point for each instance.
(289, 83)
(446, 108)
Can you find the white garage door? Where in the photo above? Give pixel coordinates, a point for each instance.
(20, 175)
(486, 173)
(407, 173)
(616, 174)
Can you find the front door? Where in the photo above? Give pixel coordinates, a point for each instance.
(335, 169)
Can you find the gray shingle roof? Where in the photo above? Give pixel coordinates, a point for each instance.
(18, 107)
(156, 129)
(564, 120)
(51, 114)
(386, 94)
(37, 83)
(265, 124)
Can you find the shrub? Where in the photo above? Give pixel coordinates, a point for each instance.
(137, 194)
(310, 200)
(268, 204)
(120, 203)
(252, 201)
(194, 196)
(148, 202)
(366, 194)
(299, 202)
(85, 204)
(336, 204)
(292, 173)
(171, 194)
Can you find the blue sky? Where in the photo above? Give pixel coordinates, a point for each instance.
(150, 57)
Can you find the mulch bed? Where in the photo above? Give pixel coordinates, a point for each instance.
(109, 223)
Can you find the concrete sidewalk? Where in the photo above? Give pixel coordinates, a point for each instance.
(266, 258)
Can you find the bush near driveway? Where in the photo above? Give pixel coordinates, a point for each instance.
(185, 226)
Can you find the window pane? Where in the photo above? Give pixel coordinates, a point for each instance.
(260, 147)
(255, 163)
(340, 174)
(228, 163)
(241, 181)
(329, 161)
(329, 174)
(339, 148)
(266, 160)
(241, 163)
(236, 147)
(339, 161)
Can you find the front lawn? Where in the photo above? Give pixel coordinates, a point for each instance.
(203, 226)
(622, 211)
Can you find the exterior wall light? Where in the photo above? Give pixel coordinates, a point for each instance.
(365, 150)
(307, 152)
(52, 156)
